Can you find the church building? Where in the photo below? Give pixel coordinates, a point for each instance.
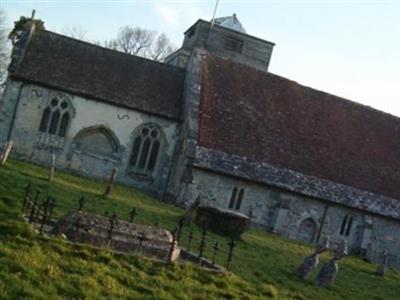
(210, 121)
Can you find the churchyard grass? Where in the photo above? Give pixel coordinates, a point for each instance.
(35, 267)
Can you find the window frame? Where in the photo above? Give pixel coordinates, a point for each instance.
(234, 44)
(236, 198)
(150, 157)
(53, 117)
(346, 225)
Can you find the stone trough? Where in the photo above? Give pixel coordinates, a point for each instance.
(125, 236)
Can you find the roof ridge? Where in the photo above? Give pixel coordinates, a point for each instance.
(116, 52)
(341, 98)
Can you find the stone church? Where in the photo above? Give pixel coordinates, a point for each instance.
(211, 121)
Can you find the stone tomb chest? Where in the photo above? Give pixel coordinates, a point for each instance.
(118, 235)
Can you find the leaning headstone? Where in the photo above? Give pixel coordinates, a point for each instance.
(327, 275)
(52, 167)
(382, 267)
(110, 182)
(6, 151)
(312, 261)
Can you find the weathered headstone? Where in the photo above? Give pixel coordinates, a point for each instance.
(327, 275)
(382, 267)
(52, 167)
(6, 151)
(312, 261)
(110, 183)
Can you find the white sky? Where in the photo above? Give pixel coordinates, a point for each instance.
(347, 48)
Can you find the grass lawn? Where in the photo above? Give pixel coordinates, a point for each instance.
(33, 267)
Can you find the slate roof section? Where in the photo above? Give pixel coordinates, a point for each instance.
(95, 72)
(296, 182)
(266, 118)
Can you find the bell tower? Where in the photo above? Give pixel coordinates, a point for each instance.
(227, 38)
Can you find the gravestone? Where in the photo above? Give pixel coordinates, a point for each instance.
(327, 275)
(312, 261)
(382, 267)
(5, 152)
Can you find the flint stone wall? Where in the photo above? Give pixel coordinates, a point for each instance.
(265, 204)
(297, 182)
(26, 102)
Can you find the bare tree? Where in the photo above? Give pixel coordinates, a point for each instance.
(160, 48)
(75, 32)
(141, 42)
(4, 48)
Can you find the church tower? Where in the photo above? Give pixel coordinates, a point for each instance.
(227, 38)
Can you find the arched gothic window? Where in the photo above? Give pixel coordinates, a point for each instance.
(98, 140)
(56, 117)
(236, 198)
(145, 150)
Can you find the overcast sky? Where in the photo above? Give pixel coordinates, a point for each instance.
(347, 48)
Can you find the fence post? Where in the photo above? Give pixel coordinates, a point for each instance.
(113, 220)
(82, 202)
(52, 204)
(132, 215)
(232, 245)
(190, 239)
(141, 238)
(45, 212)
(202, 245)
(26, 198)
(29, 204)
(216, 248)
(77, 226)
(179, 229)
(108, 190)
(36, 217)
(33, 207)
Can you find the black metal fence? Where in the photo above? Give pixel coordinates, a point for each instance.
(197, 246)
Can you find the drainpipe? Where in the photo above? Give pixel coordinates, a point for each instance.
(322, 222)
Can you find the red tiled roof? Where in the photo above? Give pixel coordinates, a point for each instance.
(267, 118)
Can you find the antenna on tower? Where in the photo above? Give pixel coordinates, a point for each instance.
(212, 20)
